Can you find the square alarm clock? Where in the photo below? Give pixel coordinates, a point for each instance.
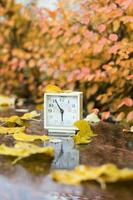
(61, 110)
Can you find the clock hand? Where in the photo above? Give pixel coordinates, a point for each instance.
(61, 110)
(62, 115)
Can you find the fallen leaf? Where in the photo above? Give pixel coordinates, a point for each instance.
(19, 120)
(6, 101)
(128, 130)
(40, 107)
(22, 150)
(13, 120)
(92, 117)
(30, 138)
(84, 134)
(107, 173)
(30, 116)
(11, 130)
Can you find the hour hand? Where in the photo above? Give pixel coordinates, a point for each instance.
(62, 116)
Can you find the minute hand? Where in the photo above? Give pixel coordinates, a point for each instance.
(59, 106)
(61, 110)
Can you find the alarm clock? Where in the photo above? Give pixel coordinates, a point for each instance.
(61, 110)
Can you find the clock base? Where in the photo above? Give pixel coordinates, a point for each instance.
(61, 133)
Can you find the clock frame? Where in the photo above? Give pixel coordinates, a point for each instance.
(63, 130)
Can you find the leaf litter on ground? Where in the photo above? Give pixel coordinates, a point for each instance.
(19, 120)
(23, 149)
(30, 138)
(107, 173)
(18, 133)
(12, 130)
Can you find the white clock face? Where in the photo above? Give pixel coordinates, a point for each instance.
(61, 111)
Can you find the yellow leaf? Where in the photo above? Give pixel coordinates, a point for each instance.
(29, 116)
(84, 134)
(102, 174)
(53, 88)
(6, 101)
(19, 120)
(11, 130)
(13, 119)
(40, 107)
(22, 150)
(30, 138)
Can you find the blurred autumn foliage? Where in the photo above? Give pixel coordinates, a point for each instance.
(90, 50)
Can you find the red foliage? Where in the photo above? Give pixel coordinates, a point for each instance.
(90, 50)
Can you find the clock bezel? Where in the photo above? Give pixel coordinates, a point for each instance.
(71, 129)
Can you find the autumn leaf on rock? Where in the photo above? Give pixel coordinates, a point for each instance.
(84, 134)
(92, 117)
(40, 107)
(12, 120)
(6, 101)
(107, 173)
(11, 130)
(19, 120)
(128, 130)
(18, 133)
(22, 150)
(30, 138)
(30, 116)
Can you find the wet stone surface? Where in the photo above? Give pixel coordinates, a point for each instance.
(29, 179)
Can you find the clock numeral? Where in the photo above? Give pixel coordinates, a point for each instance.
(62, 99)
(51, 105)
(49, 110)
